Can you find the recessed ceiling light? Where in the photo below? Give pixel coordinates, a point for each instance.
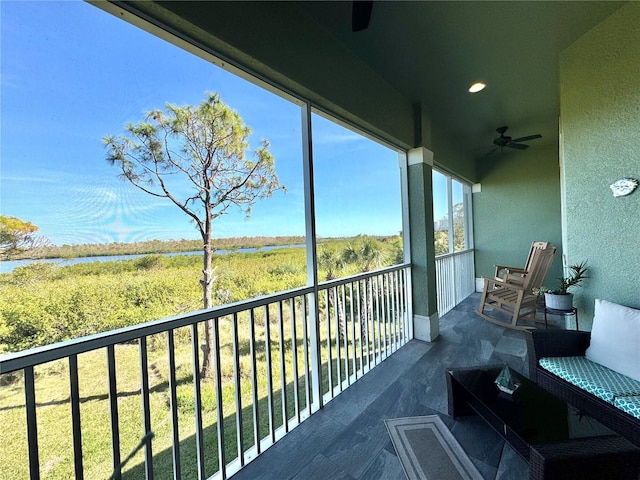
(476, 87)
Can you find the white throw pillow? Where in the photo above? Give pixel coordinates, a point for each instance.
(615, 338)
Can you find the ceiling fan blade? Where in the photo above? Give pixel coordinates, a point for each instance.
(360, 14)
(518, 146)
(491, 152)
(524, 139)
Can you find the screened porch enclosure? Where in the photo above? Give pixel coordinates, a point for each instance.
(142, 409)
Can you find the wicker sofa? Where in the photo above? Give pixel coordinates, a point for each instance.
(559, 363)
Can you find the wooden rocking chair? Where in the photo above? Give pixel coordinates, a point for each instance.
(513, 294)
(503, 270)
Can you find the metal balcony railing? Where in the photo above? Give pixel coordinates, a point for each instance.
(277, 359)
(455, 279)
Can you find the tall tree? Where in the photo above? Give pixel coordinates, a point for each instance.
(17, 236)
(205, 147)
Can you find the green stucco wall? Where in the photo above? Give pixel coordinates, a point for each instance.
(600, 121)
(423, 271)
(519, 203)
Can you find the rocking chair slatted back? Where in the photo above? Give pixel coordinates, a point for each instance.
(503, 270)
(540, 263)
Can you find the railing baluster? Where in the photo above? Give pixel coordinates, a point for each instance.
(408, 305)
(381, 316)
(336, 315)
(254, 380)
(146, 405)
(329, 352)
(219, 402)
(392, 290)
(197, 400)
(397, 313)
(364, 319)
(400, 311)
(173, 402)
(307, 366)
(345, 337)
(384, 314)
(267, 342)
(381, 292)
(402, 308)
(238, 389)
(385, 319)
(32, 424)
(354, 365)
(372, 319)
(283, 376)
(375, 319)
(113, 409)
(390, 320)
(397, 308)
(74, 396)
(294, 359)
(356, 300)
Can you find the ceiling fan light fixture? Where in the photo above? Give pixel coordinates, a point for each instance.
(477, 87)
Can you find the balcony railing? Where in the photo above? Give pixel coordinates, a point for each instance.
(455, 279)
(277, 359)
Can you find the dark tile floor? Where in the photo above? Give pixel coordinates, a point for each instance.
(347, 439)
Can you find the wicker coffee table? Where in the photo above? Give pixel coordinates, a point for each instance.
(550, 434)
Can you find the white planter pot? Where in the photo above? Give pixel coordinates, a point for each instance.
(559, 302)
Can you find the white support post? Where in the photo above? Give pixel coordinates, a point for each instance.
(403, 160)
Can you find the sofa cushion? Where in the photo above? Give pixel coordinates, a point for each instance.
(592, 377)
(631, 405)
(615, 338)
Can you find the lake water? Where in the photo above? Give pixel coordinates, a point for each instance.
(9, 266)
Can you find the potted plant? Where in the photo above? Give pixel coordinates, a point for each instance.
(561, 299)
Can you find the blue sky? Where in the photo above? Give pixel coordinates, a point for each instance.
(72, 74)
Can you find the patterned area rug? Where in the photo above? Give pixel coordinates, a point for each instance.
(428, 451)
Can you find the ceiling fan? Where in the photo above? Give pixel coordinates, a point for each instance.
(506, 141)
(360, 14)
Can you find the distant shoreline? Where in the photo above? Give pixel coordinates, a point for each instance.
(166, 246)
(153, 247)
(10, 265)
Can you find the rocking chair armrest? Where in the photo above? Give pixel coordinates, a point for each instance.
(501, 283)
(514, 279)
(509, 269)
